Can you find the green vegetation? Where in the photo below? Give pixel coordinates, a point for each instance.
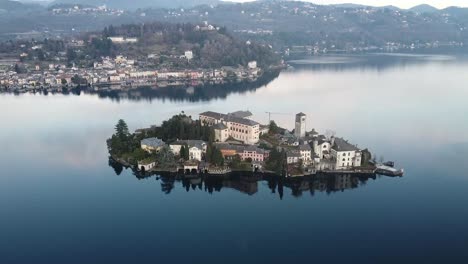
(276, 161)
(211, 48)
(237, 164)
(181, 127)
(214, 155)
(125, 146)
(273, 128)
(184, 152)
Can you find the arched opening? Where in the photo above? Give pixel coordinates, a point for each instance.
(194, 171)
(187, 171)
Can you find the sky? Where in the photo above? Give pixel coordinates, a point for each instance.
(399, 3)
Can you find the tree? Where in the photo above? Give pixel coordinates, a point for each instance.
(236, 161)
(121, 130)
(17, 68)
(77, 79)
(273, 128)
(71, 55)
(184, 152)
(182, 131)
(63, 81)
(217, 157)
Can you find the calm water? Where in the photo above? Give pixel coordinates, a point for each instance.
(61, 202)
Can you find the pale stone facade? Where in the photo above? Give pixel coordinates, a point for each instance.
(239, 128)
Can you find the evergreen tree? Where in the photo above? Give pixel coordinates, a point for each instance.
(122, 130)
(182, 131)
(273, 128)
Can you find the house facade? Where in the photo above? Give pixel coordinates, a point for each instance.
(245, 152)
(196, 148)
(239, 128)
(152, 144)
(345, 154)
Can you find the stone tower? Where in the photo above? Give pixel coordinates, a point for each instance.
(300, 129)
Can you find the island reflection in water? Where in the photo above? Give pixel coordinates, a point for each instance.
(247, 183)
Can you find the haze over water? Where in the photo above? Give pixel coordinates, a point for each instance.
(62, 203)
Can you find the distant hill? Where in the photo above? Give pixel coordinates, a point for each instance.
(349, 5)
(456, 11)
(12, 6)
(136, 4)
(424, 8)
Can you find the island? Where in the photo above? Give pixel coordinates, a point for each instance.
(219, 144)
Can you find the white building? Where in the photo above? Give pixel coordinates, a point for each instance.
(146, 165)
(122, 40)
(195, 153)
(239, 128)
(196, 148)
(306, 153)
(252, 65)
(293, 157)
(189, 55)
(221, 132)
(300, 128)
(346, 155)
(322, 147)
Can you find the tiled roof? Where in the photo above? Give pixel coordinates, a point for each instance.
(152, 142)
(230, 118)
(343, 145)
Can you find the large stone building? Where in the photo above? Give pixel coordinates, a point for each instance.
(345, 154)
(238, 125)
(300, 128)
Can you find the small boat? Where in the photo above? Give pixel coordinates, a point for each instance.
(389, 164)
(388, 171)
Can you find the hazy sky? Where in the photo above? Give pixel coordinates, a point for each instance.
(399, 3)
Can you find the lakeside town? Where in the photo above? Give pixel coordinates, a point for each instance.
(219, 144)
(132, 56)
(119, 73)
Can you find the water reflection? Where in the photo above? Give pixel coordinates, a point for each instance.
(378, 62)
(197, 93)
(247, 183)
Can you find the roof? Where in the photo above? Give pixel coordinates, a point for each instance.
(152, 142)
(304, 147)
(241, 148)
(322, 139)
(212, 114)
(343, 145)
(299, 116)
(191, 143)
(220, 126)
(242, 114)
(230, 118)
(293, 154)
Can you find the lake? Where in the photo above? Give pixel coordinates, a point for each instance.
(61, 202)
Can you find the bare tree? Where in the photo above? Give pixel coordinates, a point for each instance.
(329, 134)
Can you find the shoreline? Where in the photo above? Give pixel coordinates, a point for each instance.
(206, 172)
